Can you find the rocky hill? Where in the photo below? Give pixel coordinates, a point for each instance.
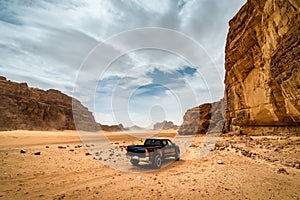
(262, 83)
(203, 118)
(28, 108)
(165, 125)
(112, 128)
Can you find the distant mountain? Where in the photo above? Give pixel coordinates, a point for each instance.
(113, 128)
(165, 125)
(135, 128)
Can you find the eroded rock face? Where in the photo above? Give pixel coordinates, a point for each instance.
(262, 83)
(28, 108)
(208, 117)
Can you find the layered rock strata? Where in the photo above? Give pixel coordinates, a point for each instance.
(208, 117)
(28, 108)
(262, 62)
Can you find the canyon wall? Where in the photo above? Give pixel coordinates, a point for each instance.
(262, 62)
(28, 108)
(208, 117)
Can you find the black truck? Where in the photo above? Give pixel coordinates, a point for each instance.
(154, 151)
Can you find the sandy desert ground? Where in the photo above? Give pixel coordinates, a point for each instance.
(237, 168)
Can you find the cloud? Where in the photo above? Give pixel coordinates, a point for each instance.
(67, 45)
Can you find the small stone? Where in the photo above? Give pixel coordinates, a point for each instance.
(222, 148)
(22, 151)
(220, 162)
(297, 166)
(47, 147)
(37, 153)
(282, 171)
(87, 154)
(71, 150)
(61, 197)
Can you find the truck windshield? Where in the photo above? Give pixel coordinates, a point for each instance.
(150, 142)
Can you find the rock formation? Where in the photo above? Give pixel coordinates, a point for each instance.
(165, 125)
(28, 108)
(112, 128)
(208, 117)
(262, 61)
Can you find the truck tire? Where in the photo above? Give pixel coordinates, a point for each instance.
(177, 156)
(134, 162)
(157, 161)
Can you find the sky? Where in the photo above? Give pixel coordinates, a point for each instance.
(135, 62)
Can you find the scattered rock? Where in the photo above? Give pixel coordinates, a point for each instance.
(61, 197)
(22, 151)
(61, 147)
(87, 154)
(282, 171)
(72, 150)
(37, 153)
(47, 147)
(220, 162)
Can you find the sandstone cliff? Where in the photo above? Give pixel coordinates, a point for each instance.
(28, 108)
(262, 83)
(208, 117)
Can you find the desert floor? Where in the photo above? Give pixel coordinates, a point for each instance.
(236, 168)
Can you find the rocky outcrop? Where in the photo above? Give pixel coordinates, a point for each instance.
(208, 117)
(165, 125)
(28, 108)
(112, 128)
(262, 83)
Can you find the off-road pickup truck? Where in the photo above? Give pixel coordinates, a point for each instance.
(154, 151)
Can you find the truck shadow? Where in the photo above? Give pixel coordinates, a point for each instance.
(145, 167)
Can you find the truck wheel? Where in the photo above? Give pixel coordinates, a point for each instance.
(134, 162)
(157, 161)
(177, 156)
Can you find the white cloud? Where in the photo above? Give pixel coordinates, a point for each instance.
(45, 42)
